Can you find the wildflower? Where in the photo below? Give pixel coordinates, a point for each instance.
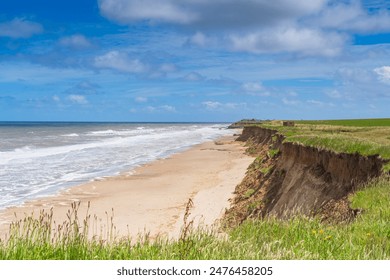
(368, 234)
(328, 237)
(314, 231)
(320, 231)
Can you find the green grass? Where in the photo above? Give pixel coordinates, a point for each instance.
(350, 122)
(366, 137)
(368, 237)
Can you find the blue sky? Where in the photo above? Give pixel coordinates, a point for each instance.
(193, 60)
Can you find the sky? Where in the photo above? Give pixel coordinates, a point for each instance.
(194, 60)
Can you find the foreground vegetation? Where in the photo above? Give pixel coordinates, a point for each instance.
(368, 237)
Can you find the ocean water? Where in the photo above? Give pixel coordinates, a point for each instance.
(39, 159)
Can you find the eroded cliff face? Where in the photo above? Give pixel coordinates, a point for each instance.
(288, 178)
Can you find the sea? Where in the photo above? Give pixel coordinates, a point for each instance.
(41, 158)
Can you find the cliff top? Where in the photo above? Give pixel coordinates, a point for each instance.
(366, 137)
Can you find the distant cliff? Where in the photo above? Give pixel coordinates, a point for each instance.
(244, 122)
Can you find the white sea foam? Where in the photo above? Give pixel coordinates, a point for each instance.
(58, 157)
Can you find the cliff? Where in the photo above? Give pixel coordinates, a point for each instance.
(288, 178)
(244, 122)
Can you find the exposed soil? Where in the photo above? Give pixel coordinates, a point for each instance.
(287, 179)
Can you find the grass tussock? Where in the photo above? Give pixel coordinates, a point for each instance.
(367, 237)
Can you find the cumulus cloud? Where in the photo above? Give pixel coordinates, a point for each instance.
(208, 14)
(361, 83)
(168, 68)
(268, 26)
(353, 17)
(126, 11)
(383, 74)
(56, 98)
(291, 102)
(168, 108)
(254, 89)
(162, 108)
(212, 104)
(291, 39)
(77, 99)
(320, 103)
(307, 28)
(121, 62)
(218, 106)
(20, 28)
(354, 76)
(141, 99)
(335, 94)
(194, 77)
(75, 41)
(200, 39)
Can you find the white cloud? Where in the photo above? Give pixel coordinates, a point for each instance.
(383, 73)
(319, 103)
(355, 76)
(306, 28)
(218, 106)
(150, 109)
(212, 104)
(292, 102)
(255, 89)
(292, 93)
(168, 68)
(20, 28)
(75, 41)
(315, 102)
(141, 99)
(208, 14)
(258, 26)
(56, 98)
(162, 108)
(353, 17)
(194, 77)
(168, 108)
(362, 83)
(120, 61)
(291, 39)
(201, 40)
(334, 94)
(125, 11)
(78, 99)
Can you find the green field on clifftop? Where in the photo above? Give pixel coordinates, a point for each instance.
(350, 122)
(366, 137)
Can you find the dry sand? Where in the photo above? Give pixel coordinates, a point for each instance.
(152, 198)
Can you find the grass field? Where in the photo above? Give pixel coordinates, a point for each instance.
(350, 122)
(366, 137)
(367, 237)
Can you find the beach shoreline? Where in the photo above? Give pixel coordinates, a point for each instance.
(151, 199)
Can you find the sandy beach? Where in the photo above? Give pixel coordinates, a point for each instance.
(152, 198)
